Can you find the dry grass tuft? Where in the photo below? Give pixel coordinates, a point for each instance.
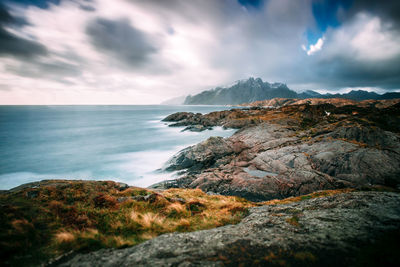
(64, 237)
(148, 235)
(323, 193)
(150, 220)
(176, 210)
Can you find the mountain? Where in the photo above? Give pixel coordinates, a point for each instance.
(391, 95)
(243, 91)
(254, 89)
(358, 95)
(309, 94)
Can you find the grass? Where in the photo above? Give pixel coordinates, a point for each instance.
(37, 224)
(323, 193)
(57, 217)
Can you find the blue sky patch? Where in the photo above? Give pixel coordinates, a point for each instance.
(38, 3)
(251, 3)
(325, 14)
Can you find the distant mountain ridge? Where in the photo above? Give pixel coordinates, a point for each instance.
(255, 89)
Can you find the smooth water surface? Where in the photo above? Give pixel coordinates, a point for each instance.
(121, 143)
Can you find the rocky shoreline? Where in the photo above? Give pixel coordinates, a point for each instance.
(291, 150)
(297, 185)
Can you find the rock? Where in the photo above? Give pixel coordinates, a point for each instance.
(197, 128)
(373, 137)
(200, 156)
(178, 116)
(165, 185)
(32, 194)
(121, 186)
(210, 193)
(348, 229)
(122, 199)
(299, 149)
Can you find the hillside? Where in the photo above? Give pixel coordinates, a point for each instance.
(43, 220)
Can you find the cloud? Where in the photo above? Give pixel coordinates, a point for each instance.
(315, 47)
(134, 51)
(365, 51)
(388, 10)
(366, 38)
(121, 40)
(12, 44)
(55, 70)
(375, 40)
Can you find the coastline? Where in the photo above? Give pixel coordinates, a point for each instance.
(291, 150)
(265, 195)
(123, 143)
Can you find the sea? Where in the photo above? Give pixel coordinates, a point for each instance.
(128, 144)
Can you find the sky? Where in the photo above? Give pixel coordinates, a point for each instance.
(147, 51)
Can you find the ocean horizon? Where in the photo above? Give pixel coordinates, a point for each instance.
(125, 143)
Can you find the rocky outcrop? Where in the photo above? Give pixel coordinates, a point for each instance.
(338, 102)
(350, 229)
(203, 155)
(293, 150)
(196, 122)
(383, 113)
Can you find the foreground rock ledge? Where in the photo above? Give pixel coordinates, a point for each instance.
(357, 228)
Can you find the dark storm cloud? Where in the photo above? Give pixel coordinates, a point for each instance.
(120, 39)
(87, 8)
(32, 58)
(51, 70)
(344, 67)
(342, 72)
(388, 9)
(332, 12)
(12, 45)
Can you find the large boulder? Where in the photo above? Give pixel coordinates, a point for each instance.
(200, 156)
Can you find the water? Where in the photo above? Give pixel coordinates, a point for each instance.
(120, 143)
